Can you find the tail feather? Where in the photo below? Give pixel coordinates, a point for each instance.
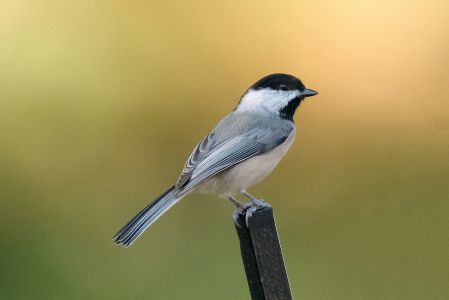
(134, 228)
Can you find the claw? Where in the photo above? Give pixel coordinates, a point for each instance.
(235, 215)
(260, 203)
(242, 208)
(249, 213)
(247, 209)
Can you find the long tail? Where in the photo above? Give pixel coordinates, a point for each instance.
(131, 231)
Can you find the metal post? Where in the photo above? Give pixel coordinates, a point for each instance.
(262, 257)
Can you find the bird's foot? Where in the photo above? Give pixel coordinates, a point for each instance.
(241, 210)
(254, 205)
(247, 209)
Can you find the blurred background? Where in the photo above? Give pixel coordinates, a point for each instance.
(101, 103)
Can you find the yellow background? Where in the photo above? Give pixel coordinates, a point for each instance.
(101, 103)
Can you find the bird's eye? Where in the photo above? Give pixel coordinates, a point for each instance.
(283, 87)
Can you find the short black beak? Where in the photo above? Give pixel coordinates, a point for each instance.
(309, 93)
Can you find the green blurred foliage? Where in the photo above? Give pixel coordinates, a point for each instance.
(102, 102)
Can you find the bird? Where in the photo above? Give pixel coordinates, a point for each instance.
(239, 152)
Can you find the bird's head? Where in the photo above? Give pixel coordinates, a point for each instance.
(275, 94)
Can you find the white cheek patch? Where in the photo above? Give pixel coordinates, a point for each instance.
(266, 100)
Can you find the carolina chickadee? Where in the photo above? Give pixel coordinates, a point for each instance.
(239, 152)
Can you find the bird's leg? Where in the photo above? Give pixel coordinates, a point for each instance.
(236, 202)
(247, 208)
(254, 205)
(255, 202)
(241, 208)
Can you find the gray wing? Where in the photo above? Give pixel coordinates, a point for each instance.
(210, 157)
(198, 154)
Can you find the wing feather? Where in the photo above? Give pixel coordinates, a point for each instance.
(210, 158)
(198, 154)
